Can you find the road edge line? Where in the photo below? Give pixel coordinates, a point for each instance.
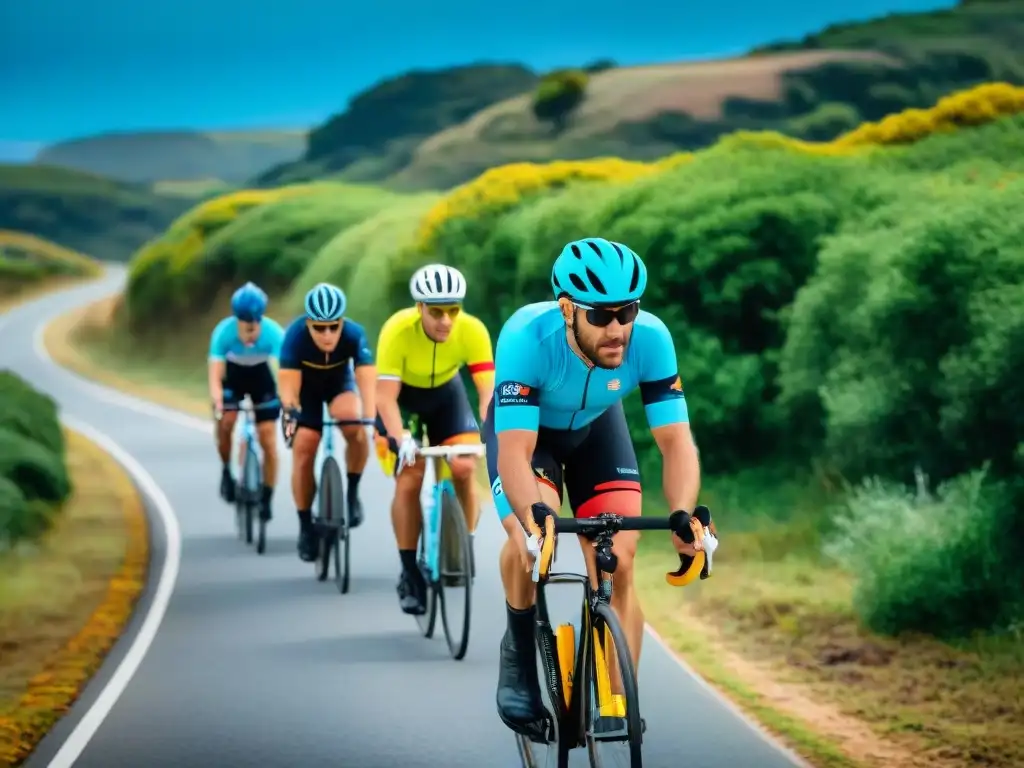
(93, 718)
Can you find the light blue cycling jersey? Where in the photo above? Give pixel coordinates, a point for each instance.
(226, 346)
(543, 383)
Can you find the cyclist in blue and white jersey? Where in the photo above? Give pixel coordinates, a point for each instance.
(241, 348)
(562, 370)
(325, 358)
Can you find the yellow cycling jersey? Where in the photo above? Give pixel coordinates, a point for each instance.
(405, 352)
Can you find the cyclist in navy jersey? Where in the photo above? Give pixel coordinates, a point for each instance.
(562, 370)
(324, 357)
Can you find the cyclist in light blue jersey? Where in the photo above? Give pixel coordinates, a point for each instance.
(241, 348)
(562, 370)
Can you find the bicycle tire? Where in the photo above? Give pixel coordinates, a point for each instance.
(428, 621)
(341, 556)
(456, 536)
(330, 503)
(252, 474)
(604, 615)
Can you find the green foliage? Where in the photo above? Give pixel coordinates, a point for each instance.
(826, 122)
(33, 474)
(935, 563)
(91, 214)
(387, 120)
(558, 95)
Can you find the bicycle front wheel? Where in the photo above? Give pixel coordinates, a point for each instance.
(613, 725)
(252, 482)
(456, 583)
(330, 508)
(341, 553)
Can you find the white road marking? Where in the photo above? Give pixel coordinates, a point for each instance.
(91, 721)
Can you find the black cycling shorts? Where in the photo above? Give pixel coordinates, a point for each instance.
(596, 465)
(440, 414)
(256, 381)
(319, 388)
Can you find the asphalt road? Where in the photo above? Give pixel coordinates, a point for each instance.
(255, 663)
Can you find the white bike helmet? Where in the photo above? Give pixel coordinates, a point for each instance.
(437, 284)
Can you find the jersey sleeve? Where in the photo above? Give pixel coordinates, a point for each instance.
(516, 394)
(661, 389)
(275, 337)
(291, 347)
(220, 340)
(390, 361)
(479, 357)
(361, 352)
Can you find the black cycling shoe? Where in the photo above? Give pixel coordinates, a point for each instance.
(227, 486)
(266, 513)
(519, 703)
(355, 512)
(307, 544)
(412, 595)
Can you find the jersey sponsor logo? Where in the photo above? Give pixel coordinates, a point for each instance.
(496, 489)
(627, 471)
(514, 393)
(677, 385)
(614, 385)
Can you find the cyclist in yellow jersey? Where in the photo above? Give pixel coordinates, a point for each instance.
(420, 394)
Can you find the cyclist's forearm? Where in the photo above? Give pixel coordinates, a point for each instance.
(519, 484)
(680, 470)
(366, 380)
(215, 379)
(289, 383)
(484, 390)
(391, 415)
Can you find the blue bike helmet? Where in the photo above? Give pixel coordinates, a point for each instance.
(325, 303)
(598, 272)
(249, 303)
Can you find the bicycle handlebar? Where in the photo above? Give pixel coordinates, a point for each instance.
(445, 451)
(349, 422)
(694, 529)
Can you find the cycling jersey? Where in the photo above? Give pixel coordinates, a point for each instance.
(405, 352)
(225, 345)
(543, 383)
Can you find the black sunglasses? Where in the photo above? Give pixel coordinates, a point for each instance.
(325, 327)
(603, 316)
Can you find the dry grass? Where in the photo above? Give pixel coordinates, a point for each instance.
(631, 94)
(64, 602)
(781, 640)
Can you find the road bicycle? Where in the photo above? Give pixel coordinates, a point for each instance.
(590, 681)
(330, 522)
(445, 552)
(249, 485)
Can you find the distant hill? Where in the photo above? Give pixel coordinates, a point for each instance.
(26, 259)
(379, 130)
(104, 218)
(152, 156)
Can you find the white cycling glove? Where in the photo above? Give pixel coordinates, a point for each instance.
(406, 451)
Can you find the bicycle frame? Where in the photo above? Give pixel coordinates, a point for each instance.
(249, 440)
(437, 465)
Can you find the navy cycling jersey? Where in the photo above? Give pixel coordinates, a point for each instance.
(543, 383)
(298, 352)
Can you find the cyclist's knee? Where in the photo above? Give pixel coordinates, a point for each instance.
(463, 467)
(304, 447)
(354, 433)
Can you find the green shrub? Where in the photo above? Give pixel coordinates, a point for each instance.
(930, 563)
(826, 122)
(17, 520)
(30, 413)
(39, 473)
(558, 94)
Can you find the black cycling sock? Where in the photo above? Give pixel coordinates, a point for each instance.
(353, 482)
(268, 492)
(408, 557)
(305, 518)
(520, 626)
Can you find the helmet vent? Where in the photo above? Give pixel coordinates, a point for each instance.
(622, 256)
(596, 282)
(576, 251)
(635, 279)
(578, 282)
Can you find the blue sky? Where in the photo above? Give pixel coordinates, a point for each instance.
(78, 67)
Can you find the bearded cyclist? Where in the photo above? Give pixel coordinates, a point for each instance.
(419, 353)
(563, 368)
(324, 357)
(241, 348)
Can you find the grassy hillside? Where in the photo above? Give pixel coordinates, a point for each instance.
(151, 156)
(379, 129)
(848, 324)
(27, 262)
(82, 211)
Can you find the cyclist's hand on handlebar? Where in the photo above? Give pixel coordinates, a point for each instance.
(405, 451)
(695, 539)
(218, 407)
(289, 423)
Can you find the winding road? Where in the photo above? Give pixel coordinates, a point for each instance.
(232, 659)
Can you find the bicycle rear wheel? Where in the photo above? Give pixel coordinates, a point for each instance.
(613, 725)
(330, 509)
(455, 585)
(341, 553)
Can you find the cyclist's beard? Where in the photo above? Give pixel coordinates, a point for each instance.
(590, 351)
